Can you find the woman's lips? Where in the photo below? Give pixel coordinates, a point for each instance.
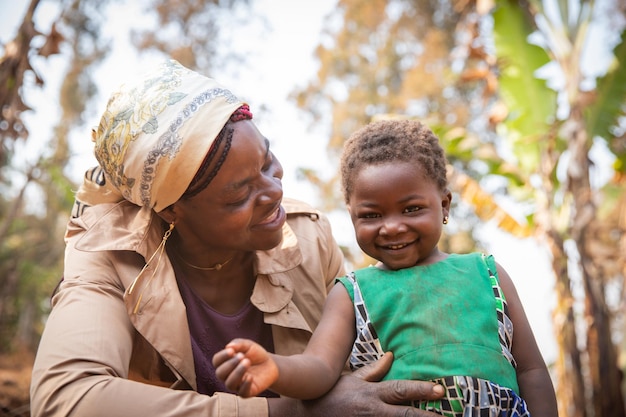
(275, 217)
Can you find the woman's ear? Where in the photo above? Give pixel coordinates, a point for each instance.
(168, 214)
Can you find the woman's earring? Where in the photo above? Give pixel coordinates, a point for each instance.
(157, 253)
(445, 219)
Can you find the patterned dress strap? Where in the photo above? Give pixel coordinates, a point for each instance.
(366, 348)
(505, 325)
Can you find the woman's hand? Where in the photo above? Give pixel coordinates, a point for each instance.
(357, 394)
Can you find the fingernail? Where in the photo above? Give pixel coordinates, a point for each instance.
(438, 389)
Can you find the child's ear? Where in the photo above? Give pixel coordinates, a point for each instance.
(446, 202)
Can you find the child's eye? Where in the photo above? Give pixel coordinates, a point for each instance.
(368, 215)
(411, 209)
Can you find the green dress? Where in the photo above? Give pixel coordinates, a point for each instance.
(446, 322)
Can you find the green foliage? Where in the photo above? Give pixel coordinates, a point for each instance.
(610, 104)
(567, 207)
(31, 264)
(531, 104)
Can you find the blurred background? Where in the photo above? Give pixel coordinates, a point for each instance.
(527, 97)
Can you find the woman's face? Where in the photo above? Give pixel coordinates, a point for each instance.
(398, 214)
(241, 208)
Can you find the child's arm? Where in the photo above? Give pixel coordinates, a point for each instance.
(532, 374)
(248, 369)
(245, 367)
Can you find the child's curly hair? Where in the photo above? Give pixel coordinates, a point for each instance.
(391, 141)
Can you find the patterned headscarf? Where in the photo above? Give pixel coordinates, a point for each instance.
(153, 136)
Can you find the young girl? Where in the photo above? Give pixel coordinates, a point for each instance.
(448, 318)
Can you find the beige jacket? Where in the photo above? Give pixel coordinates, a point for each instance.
(97, 358)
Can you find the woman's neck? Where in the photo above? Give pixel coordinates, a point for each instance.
(225, 289)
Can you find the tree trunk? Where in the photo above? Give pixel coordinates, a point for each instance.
(606, 377)
(604, 373)
(570, 388)
(570, 384)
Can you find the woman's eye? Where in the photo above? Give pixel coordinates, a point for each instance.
(240, 202)
(237, 203)
(268, 162)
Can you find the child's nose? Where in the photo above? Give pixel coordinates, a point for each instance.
(393, 225)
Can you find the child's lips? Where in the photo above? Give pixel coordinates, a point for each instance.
(396, 246)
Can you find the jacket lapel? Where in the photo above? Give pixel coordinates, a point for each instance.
(154, 307)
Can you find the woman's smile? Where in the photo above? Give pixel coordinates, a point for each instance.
(276, 219)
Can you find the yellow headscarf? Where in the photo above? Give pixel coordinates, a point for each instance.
(153, 136)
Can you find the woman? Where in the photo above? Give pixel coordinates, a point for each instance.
(179, 241)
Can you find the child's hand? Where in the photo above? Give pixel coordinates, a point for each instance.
(245, 367)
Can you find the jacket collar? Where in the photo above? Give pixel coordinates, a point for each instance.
(155, 306)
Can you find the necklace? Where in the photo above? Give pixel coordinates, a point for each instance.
(215, 267)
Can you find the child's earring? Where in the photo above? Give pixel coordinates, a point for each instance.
(445, 219)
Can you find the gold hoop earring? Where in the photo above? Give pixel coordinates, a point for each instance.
(159, 250)
(445, 219)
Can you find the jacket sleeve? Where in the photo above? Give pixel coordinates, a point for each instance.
(81, 368)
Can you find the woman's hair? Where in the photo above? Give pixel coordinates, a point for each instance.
(201, 180)
(392, 141)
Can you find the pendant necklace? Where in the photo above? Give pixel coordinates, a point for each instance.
(215, 267)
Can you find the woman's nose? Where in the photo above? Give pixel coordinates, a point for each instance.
(278, 169)
(272, 192)
(272, 186)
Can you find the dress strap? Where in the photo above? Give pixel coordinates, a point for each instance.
(366, 348)
(505, 325)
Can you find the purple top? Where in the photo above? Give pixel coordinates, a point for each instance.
(211, 330)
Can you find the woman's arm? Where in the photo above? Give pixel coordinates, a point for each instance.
(358, 394)
(82, 364)
(532, 375)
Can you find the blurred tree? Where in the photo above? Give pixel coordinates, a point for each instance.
(387, 58)
(469, 70)
(403, 58)
(552, 140)
(194, 32)
(13, 66)
(31, 234)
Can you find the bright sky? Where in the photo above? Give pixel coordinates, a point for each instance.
(280, 61)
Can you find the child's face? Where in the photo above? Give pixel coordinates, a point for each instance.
(398, 213)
